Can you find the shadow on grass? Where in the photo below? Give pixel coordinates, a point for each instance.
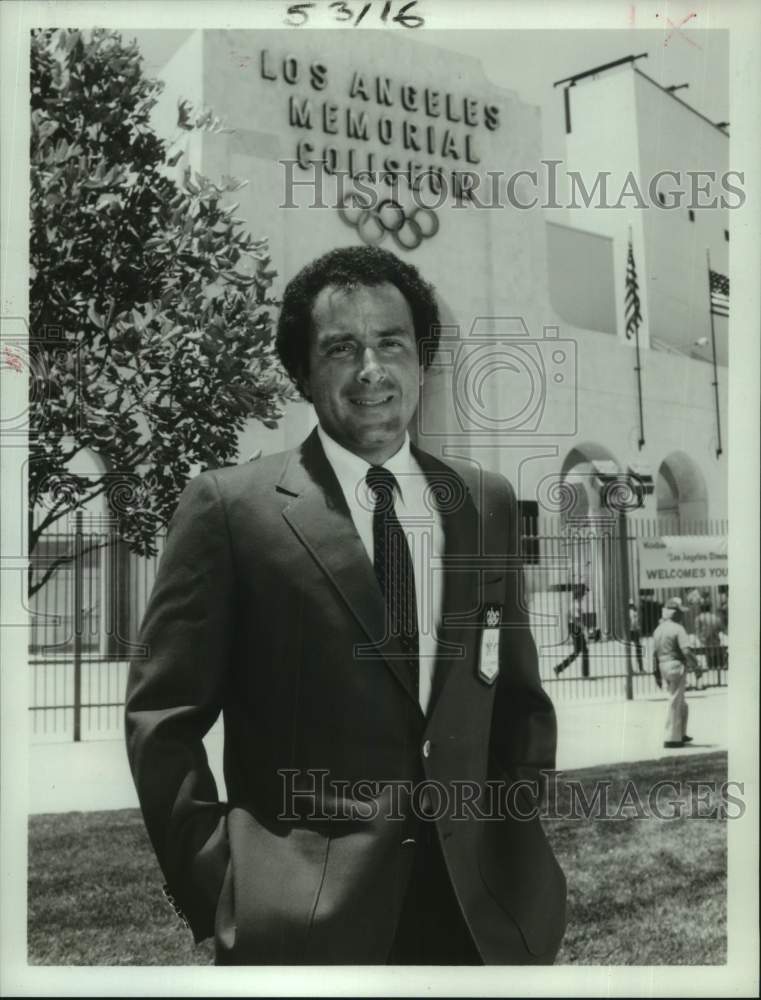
(641, 891)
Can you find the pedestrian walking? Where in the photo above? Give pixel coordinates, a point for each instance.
(635, 634)
(579, 640)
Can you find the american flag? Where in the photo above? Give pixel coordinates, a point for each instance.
(631, 301)
(719, 284)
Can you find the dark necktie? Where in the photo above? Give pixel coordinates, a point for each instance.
(392, 562)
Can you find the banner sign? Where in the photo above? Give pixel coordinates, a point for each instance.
(683, 561)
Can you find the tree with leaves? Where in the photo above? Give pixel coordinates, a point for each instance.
(151, 318)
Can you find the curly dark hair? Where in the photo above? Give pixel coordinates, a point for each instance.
(348, 267)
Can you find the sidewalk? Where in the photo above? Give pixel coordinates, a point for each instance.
(94, 775)
(613, 732)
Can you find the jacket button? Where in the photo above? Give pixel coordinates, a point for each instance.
(408, 841)
(427, 748)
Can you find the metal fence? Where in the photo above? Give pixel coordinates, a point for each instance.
(83, 632)
(593, 566)
(85, 620)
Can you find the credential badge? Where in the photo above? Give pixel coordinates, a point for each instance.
(493, 615)
(488, 664)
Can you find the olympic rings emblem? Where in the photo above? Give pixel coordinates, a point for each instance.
(388, 216)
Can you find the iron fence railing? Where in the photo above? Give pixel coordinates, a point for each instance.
(85, 621)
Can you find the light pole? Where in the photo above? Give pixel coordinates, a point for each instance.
(620, 493)
(701, 343)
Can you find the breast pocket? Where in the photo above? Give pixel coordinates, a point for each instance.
(492, 589)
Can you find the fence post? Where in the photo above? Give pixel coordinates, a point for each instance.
(623, 604)
(79, 568)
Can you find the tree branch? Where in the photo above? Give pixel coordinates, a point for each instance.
(37, 532)
(33, 588)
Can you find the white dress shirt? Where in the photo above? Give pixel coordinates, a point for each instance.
(422, 526)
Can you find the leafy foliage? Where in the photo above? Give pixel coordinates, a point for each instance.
(151, 316)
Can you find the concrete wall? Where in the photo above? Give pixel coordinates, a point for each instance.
(603, 139)
(679, 416)
(674, 137)
(622, 121)
(582, 277)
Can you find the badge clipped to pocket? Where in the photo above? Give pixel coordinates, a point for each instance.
(488, 663)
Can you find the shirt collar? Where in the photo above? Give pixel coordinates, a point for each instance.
(351, 469)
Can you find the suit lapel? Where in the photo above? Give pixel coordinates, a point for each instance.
(321, 519)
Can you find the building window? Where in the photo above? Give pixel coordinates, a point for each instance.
(691, 215)
(726, 235)
(52, 606)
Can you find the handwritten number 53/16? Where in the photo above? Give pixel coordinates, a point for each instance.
(298, 13)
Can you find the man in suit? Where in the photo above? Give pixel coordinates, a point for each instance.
(353, 609)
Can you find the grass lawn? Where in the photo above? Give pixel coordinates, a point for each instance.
(641, 891)
(645, 891)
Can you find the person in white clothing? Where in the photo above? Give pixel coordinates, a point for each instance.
(672, 657)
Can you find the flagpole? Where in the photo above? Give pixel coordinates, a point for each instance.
(638, 370)
(715, 382)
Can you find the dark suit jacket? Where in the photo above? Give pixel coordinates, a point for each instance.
(266, 608)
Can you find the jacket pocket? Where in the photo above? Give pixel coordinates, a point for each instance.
(277, 874)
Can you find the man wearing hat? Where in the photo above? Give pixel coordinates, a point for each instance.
(672, 657)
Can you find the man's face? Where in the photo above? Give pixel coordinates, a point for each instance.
(364, 375)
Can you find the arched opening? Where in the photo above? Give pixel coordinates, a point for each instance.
(680, 492)
(579, 476)
(588, 535)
